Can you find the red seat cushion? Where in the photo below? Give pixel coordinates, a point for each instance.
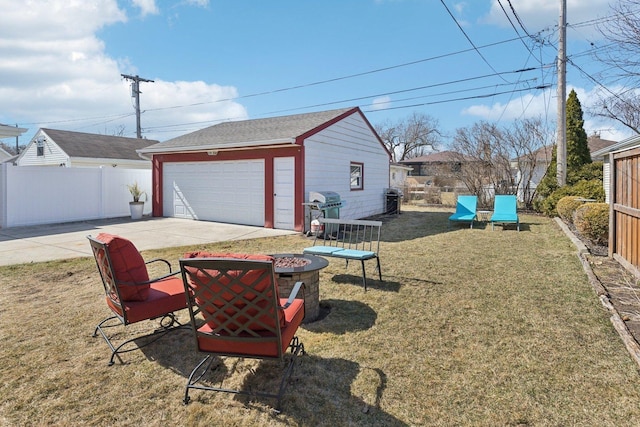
(215, 318)
(293, 316)
(165, 296)
(128, 266)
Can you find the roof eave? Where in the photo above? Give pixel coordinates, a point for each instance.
(218, 147)
(625, 143)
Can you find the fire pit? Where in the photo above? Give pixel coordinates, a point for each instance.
(292, 268)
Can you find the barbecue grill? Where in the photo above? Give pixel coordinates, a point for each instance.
(328, 202)
(325, 204)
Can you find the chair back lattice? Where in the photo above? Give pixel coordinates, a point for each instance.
(236, 300)
(360, 235)
(108, 276)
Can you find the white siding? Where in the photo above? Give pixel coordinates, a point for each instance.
(606, 178)
(53, 154)
(328, 156)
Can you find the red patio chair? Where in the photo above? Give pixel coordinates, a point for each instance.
(131, 295)
(235, 311)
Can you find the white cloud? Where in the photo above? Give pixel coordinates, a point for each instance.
(381, 103)
(544, 105)
(199, 3)
(55, 72)
(147, 7)
(535, 14)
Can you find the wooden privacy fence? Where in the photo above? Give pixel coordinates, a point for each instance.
(624, 213)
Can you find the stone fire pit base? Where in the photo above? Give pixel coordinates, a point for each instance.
(311, 279)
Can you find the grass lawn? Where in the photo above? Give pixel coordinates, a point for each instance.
(469, 327)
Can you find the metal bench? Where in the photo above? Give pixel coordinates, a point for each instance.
(349, 239)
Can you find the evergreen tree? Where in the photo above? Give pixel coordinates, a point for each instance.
(577, 143)
(577, 149)
(580, 172)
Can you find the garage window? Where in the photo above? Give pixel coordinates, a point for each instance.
(357, 176)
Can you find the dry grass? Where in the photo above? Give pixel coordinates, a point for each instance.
(470, 327)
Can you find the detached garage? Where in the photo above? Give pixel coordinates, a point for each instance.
(259, 172)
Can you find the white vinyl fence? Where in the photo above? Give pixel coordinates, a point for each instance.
(32, 195)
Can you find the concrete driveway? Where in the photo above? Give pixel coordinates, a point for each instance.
(19, 245)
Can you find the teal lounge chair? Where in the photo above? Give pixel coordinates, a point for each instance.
(505, 211)
(465, 210)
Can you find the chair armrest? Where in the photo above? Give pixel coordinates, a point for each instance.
(293, 294)
(147, 282)
(161, 260)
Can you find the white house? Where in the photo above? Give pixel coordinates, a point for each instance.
(543, 156)
(4, 156)
(9, 132)
(603, 155)
(260, 172)
(51, 147)
(399, 174)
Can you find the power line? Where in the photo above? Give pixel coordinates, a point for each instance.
(466, 98)
(412, 90)
(467, 37)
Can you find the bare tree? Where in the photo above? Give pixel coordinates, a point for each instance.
(622, 60)
(409, 137)
(479, 149)
(500, 161)
(527, 140)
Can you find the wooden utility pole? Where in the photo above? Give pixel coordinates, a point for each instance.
(135, 93)
(561, 126)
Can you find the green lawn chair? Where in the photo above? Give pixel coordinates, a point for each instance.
(505, 211)
(465, 210)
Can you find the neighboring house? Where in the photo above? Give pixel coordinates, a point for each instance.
(440, 169)
(4, 156)
(529, 171)
(398, 175)
(51, 147)
(602, 155)
(260, 172)
(9, 132)
(540, 161)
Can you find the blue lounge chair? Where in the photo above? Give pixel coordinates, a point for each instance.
(505, 211)
(465, 210)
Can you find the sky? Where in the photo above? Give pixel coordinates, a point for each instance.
(459, 62)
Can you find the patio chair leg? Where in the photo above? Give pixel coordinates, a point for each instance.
(364, 276)
(165, 327)
(378, 267)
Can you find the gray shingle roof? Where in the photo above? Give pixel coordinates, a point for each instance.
(250, 132)
(89, 145)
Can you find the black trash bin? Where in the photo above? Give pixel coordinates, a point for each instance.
(393, 201)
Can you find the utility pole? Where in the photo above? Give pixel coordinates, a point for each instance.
(561, 126)
(135, 93)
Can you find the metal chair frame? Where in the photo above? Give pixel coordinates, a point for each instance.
(240, 313)
(168, 321)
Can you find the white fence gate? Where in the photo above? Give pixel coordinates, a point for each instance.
(31, 195)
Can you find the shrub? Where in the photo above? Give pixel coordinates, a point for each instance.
(592, 189)
(592, 221)
(567, 206)
(587, 172)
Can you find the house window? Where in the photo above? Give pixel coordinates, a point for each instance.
(357, 176)
(40, 147)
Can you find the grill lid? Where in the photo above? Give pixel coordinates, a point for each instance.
(324, 197)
